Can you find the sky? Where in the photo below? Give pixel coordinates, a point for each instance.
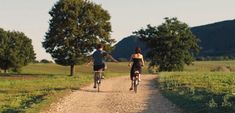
(32, 18)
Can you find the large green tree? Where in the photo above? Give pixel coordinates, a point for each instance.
(76, 27)
(16, 50)
(172, 44)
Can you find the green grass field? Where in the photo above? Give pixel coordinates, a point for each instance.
(197, 89)
(201, 88)
(40, 84)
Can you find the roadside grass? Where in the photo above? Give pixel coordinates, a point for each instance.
(24, 95)
(38, 85)
(199, 90)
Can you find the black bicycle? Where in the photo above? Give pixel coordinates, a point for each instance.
(98, 77)
(136, 81)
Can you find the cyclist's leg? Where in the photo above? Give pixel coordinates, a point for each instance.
(95, 68)
(103, 68)
(95, 79)
(140, 71)
(131, 77)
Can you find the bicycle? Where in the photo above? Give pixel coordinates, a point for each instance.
(98, 77)
(135, 81)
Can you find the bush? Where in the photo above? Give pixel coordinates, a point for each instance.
(222, 69)
(45, 61)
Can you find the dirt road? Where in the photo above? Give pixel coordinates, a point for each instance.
(115, 97)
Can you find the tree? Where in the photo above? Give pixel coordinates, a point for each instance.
(45, 61)
(16, 50)
(3, 37)
(172, 44)
(36, 61)
(75, 28)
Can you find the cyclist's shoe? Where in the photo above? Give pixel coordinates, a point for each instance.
(131, 88)
(94, 87)
(102, 77)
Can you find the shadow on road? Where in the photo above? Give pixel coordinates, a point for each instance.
(95, 91)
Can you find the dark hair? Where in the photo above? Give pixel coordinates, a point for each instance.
(137, 50)
(99, 46)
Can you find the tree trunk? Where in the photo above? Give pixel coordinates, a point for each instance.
(72, 69)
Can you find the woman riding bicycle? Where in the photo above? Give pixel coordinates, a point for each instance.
(136, 62)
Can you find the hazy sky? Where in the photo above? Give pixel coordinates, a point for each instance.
(31, 16)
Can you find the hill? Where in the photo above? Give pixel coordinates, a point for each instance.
(217, 39)
(124, 48)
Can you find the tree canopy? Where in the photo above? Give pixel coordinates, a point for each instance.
(76, 27)
(16, 50)
(172, 44)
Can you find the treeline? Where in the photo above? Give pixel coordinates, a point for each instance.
(207, 58)
(215, 58)
(16, 50)
(43, 61)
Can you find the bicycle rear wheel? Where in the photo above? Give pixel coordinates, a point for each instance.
(98, 88)
(135, 85)
(98, 81)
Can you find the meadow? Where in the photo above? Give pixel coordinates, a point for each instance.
(39, 84)
(205, 87)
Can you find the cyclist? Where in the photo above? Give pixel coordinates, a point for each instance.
(136, 62)
(98, 58)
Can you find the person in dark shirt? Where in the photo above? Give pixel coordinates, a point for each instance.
(136, 62)
(98, 58)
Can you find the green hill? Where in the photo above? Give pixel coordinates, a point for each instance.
(217, 39)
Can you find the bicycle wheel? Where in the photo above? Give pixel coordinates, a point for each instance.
(135, 85)
(98, 81)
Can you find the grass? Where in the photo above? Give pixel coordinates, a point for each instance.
(38, 85)
(207, 66)
(23, 95)
(198, 90)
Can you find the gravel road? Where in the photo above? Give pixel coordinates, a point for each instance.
(115, 97)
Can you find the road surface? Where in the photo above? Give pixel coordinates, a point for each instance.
(115, 97)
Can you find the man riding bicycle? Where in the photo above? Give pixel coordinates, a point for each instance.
(98, 58)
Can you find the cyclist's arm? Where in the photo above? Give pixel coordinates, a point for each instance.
(108, 55)
(142, 59)
(111, 57)
(130, 61)
(90, 61)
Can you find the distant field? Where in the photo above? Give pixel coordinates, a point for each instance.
(206, 87)
(210, 65)
(46, 69)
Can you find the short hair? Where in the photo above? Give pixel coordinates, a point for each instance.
(99, 46)
(137, 50)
